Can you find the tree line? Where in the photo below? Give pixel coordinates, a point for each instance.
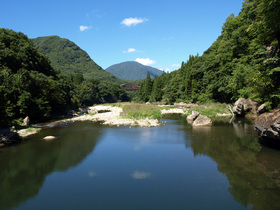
(30, 86)
(243, 62)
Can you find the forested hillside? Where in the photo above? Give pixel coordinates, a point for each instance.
(242, 62)
(30, 86)
(132, 70)
(69, 58)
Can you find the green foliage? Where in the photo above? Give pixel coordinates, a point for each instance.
(141, 111)
(67, 57)
(211, 109)
(243, 62)
(145, 89)
(29, 85)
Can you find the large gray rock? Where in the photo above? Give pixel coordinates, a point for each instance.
(193, 116)
(268, 125)
(202, 120)
(9, 136)
(243, 106)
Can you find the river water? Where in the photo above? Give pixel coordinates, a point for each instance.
(175, 166)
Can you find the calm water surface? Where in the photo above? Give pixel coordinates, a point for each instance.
(89, 166)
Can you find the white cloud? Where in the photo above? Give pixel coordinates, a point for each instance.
(133, 21)
(145, 61)
(176, 65)
(130, 50)
(140, 175)
(83, 28)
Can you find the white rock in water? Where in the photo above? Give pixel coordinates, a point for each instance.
(193, 116)
(49, 138)
(202, 120)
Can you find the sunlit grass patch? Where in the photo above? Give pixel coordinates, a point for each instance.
(141, 111)
(211, 109)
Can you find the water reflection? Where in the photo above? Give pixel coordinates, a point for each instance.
(140, 175)
(142, 168)
(24, 168)
(252, 171)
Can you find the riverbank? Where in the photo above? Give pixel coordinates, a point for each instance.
(107, 115)
(129, 114)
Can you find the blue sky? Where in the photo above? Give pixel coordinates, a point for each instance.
(157, 33)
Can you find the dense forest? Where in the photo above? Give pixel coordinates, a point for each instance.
(243, 62)
(30, 86)
(71, 59)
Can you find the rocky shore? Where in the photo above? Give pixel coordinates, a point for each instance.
(108, 115)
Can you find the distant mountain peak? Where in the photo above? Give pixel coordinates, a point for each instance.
(132, 70)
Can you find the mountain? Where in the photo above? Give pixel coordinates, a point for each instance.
(69, 58)
(132, 70)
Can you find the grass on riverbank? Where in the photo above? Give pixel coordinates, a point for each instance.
(211, 109)
(141, 111)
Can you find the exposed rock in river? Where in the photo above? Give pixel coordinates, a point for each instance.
(244, 106)
(193, 116)
(49, 138)
(8, 136)
(202, 120)
(268, 125)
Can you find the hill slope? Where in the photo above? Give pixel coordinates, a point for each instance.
(69, 58)
(244, 61)
(29, 84)
(132, 70)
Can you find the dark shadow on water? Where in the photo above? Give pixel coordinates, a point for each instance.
(24, 167)
(253, 171)
(270, 143)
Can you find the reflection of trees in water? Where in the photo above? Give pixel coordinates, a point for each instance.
(236, 150)
(24, 168)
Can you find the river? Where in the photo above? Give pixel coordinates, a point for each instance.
(175, 166)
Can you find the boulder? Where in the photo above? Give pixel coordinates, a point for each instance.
(261, 109)
(26, 121)
(92, 110)
(244, 106)
(49, 138)
(202, 120)
(9, 136)
(268, 125)
(193, 116)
